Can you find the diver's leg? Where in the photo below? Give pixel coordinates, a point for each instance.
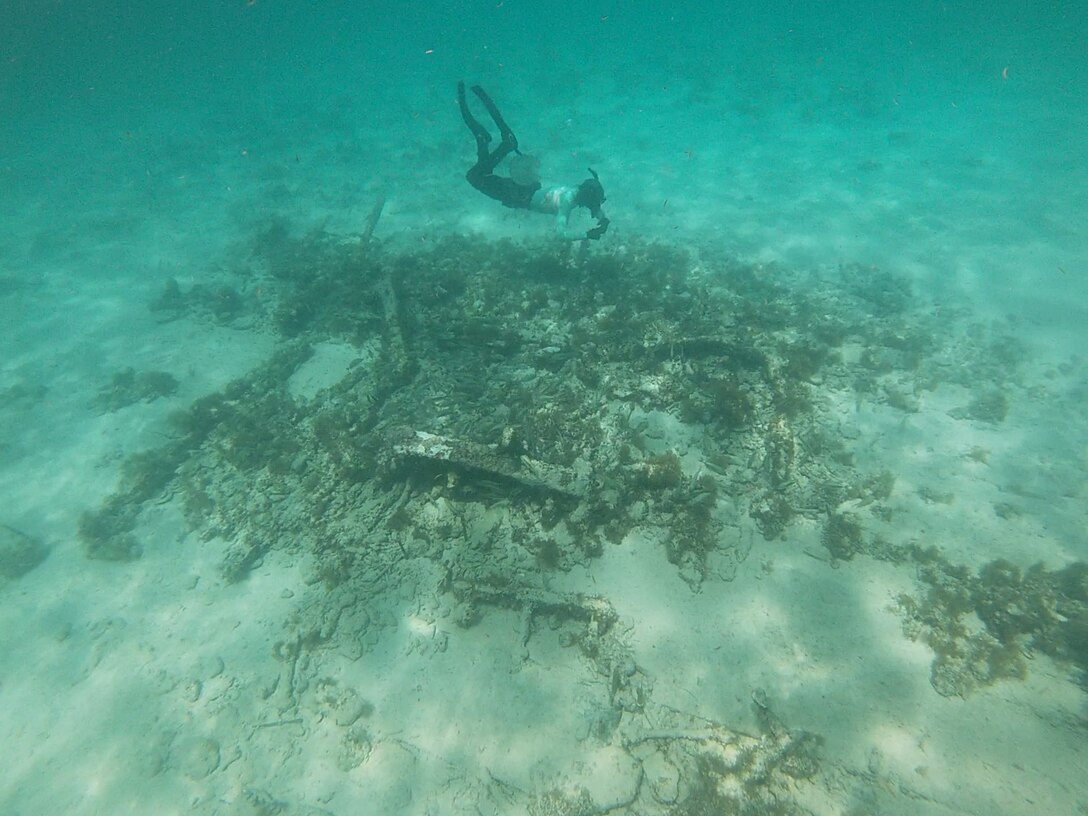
(508, 136)
(483, 138)
(485, 167)
(502, 189)
(481, 175)
(486, 161)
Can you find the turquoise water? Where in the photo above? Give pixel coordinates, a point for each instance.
(901, 131)
(798, 426)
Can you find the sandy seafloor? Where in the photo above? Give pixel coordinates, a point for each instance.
(143, 687)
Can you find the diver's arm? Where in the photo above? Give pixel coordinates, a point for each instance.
(563, 229)
(560, 200)
(601, 228)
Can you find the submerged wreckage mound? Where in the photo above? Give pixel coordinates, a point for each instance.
(585, 395)
(499, 412)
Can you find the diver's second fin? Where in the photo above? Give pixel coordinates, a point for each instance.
(504, 129)
(478, 130)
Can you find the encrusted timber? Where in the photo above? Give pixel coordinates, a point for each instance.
(487, 462)
(701, 347)
(371, 222)
(592, 610)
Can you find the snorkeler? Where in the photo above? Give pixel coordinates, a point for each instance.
(522, 188)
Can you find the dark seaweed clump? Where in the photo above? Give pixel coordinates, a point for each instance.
(128, 387)
(597, 368)
(19, 553)
(1021, 611)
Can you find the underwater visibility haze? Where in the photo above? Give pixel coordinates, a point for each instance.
(543, 408)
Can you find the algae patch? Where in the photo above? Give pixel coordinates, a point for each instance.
(19, 553)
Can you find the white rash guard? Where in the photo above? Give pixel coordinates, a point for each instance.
(560, 202)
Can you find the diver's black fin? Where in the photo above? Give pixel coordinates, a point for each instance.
(504, 129)
(478, 130)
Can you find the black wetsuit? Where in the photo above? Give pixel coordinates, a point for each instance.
(482, 174)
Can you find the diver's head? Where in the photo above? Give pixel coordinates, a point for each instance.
(590, 195)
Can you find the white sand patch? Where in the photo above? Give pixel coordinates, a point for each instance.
(328, 365)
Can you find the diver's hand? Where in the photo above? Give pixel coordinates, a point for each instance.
(599, 230)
